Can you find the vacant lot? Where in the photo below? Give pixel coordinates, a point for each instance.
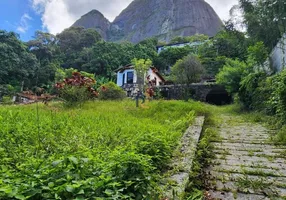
(109, 150)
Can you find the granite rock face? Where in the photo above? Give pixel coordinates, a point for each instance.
(94, 19)
(163, 19)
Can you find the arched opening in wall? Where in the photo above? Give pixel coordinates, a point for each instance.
(219, 97)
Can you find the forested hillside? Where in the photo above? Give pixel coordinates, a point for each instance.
(34, 63)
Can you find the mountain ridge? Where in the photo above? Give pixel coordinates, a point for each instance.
(163, 19)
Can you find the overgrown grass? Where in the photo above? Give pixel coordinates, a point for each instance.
(103, 150)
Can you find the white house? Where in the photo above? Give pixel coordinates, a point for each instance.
(127, 78)
(178, 45)
(278, 55)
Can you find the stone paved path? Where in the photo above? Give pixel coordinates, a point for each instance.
(247, 164)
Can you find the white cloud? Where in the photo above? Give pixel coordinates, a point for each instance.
(57, 15)
(60, 14)
(222, 7)
(24, 23)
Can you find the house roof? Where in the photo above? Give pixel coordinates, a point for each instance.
(179, 43)
(34, 97)
(173, 44)
(155, 70)
(122, 69)
(130, 66)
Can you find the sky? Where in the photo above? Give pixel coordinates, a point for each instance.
(26, 16)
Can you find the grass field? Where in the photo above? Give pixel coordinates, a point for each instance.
(103, 150)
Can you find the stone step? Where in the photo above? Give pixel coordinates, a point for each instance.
(243, 129)
(249, 163)
(246, 141)
(254, 159)
(235, 187)
(248, 170)
(238, 196)
(225, 145)
(253, 149)
(244, 138)
(236, 177)
(250, 153)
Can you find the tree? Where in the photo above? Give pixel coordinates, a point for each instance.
(105, 57)
(231, 43)
(228, 43)
(265, 20)
(170, 56)
(17, 64)
(187, 70)
(44, 47)
(231, 75)
(74, 39)
(257, 54)
(141, 67)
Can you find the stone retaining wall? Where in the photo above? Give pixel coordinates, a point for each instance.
(175, 184)
(196, 91)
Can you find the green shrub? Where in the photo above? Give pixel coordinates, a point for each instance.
(74, 95)
(157, 148)
(110, 91)
(77, 89)
(281, 136)
(132, 172)
(231, 75)
(268, 95)
(278, 95)
(254, 92)
(7, 100)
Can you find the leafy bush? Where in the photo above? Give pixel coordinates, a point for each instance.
(76, 89)
(7, 100)
(278, 96)
(231, 75)
(74, 95)
(266, 94)
(157, 148)
(187, 70)
(110, 91)
(281, 135)
(253, 91)
(257, 53)
(132, 172)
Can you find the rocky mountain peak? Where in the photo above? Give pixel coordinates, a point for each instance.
(96, 20)
(163, 19)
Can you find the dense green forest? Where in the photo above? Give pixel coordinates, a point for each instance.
(34, 63)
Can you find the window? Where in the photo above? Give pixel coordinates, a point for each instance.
(129, 77)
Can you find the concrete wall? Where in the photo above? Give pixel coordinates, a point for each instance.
(278, 55)
(196, 91)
